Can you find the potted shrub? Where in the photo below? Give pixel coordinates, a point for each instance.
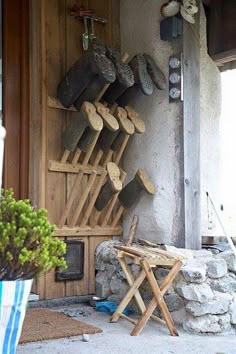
(26, 249)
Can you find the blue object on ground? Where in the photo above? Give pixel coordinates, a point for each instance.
(109, 307)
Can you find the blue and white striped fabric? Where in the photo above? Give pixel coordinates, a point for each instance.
(13, 301)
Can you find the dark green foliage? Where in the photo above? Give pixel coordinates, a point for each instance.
(27, 246)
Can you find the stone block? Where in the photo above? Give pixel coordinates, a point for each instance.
(118, 286)
(230, 259)
(195, 292)
(226, 284)
(207, 324)
(102, 284)
(232, 312)
(214, 307)
(194, 271)
(216, 268)
(174, 302)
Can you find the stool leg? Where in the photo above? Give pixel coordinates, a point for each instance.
(130, 280)
(157, 300)
(126, 300)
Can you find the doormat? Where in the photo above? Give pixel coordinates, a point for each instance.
(43, 324)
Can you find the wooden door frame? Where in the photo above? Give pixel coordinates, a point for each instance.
(15, 15)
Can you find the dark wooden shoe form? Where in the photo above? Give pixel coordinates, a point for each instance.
(132, 191)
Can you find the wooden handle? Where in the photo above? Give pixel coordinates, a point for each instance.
(132, 230)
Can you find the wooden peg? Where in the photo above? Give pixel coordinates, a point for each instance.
(132, 231)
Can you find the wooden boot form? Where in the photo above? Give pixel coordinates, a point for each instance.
(131, 192)
(87, 118)
(112, 186)
(143, 81)
(124, 77)
(110, 124)
(126, 128)
(93, 63)
(136, 120)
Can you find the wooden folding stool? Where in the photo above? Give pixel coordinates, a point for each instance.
(148, 258)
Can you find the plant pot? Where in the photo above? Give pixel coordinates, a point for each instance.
(13, 301)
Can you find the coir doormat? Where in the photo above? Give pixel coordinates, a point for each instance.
(43, 324)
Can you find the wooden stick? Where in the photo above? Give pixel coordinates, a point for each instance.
(132, 231)
(83, 199)
(128, 319)
(76, 157)
(122, 148)
(65, 156)
(125, 301)
(118, 216)
(108, 157)
(77, 183)
(112, 203)
(93, 199)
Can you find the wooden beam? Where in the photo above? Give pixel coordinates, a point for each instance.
(191, 135)
(224, 57)
(54, 103)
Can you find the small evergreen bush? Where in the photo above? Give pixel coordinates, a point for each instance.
(27, 246)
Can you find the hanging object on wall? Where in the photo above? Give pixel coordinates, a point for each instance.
(175, 78)
(170, 8)
(174, 10)
(88, 16)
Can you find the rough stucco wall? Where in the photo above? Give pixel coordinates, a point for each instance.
(158, 151)
(210, 101)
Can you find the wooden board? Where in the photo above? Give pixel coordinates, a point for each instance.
(191, 60)
(57, 45)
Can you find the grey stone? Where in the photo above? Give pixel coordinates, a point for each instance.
(188, 254)
(179, 316)
(214, 307)
(174, 302)
(232, 311)
(207, 324)
(216, 268)
(135, 269)
(195, 292)
(85, 338)
(110, 268)
(115, 298)
(226, 284)
(118, 286)
(102, 284)
(194, 271)
(230, 259)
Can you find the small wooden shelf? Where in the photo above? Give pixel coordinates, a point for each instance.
(54, 103)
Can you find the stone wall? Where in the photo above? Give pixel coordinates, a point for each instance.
(202, 298)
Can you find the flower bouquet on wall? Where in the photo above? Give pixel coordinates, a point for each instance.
(26, 249)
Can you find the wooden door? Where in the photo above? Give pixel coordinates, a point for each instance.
(16, 95)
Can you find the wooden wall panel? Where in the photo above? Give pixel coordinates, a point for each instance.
(16, 95)
(61, 46)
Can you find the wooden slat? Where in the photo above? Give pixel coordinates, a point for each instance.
(56, 166)
(224, 57)
(88, 231)
(56, 123)
(191, 131)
